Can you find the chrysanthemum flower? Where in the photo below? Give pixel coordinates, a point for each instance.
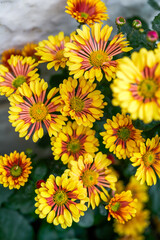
(90, 55)
(61, 200)
(128, 237)
(14, 170)
(95, 176)
(137, 87)
(29, 51)
(7, 54)
(74, 141)
(87, 11)
(32, 108)
(122, 207)
(23, 69)
(81, 101)
(148, 160)
(52, 51)
(121, 137)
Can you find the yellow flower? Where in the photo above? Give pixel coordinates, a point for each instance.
(32, 107)
(73, 141)
(81, 101)
(51, 51)
(138, 237)
(121, 137)
(90, 54)
(87, 11)
(22, 70)
(148, 160)
(137, 87)
(61, 200)
(14, 170)
(95, 176)
(29, 51)
(122, 207)
(7, 54)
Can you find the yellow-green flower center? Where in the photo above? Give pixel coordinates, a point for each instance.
(90, 178)
(97, 58)
(124, 133)
(60, 197)
(38, 111)
(84, 15)
(148, 88)
(59, 55)
(18, 81)
(16, 171)
(115, 207)
(74, 145)
(149, 158)
(77, 104)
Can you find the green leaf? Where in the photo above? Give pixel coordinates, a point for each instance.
(47, 232)
(87, 220)
(39, 171)
(156, 24)
(14, 226)
(154, 4)
(5, 194)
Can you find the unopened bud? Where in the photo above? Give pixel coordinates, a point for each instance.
(152, 36)
(120, 21)
(137, 24)
(141, 30)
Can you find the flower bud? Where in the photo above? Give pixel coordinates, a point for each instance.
(152, 36)
(120, 21)
(141, 30)
(137, 24)
(38, 183)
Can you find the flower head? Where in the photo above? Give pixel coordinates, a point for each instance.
(148, 160)
(52, 51)
(90, 55)
(137, 87)
(121, 137)
(32, 108)
(120, 21)
(7, 54)
(137, 24)
(87, 12)
(81, 101)
(122, 207)
(29, 51)
(152, 36)
(14, 169)
(22, 70)
(61, 200)
(95, 176)
(74, 141)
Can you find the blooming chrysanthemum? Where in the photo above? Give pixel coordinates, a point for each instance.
(61, 200)
(52, 51)
(14, 170)
(95, 176)
(29, 51)
(22, 70)
(134, 226)
(121, 137)
(7, 54)
(90, 55)
(87, 11)
(148, 160)
(137, 87)
(32, 108)
(129, 237)
(122, 207)
(81, 101)
(73, 141)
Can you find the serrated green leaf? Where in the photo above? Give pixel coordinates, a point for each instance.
(156, 24)
(154, 4)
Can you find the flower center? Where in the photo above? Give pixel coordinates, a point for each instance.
(18, 81)
(38, 111)
(123, 133)
(74, 145)
(59, 54)
(77, 104)
(90, 178)
(60, 197)
(84, 15)
(16, 171)
(149, 158)
(97, 58)
(147, 88)
(115, 207)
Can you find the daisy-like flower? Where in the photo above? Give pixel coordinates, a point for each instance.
(33, 107)
(95, 176)
(122, 207)
(52, 51)
(148, 160)
(129, 237)
(74, 141)
(121, 137)
(81, 101)
(87, 11)
(61, 200)
(14, 170)
(7, 54)
(23, 69)
(90, 55)
(29, 51)
(137, 87)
